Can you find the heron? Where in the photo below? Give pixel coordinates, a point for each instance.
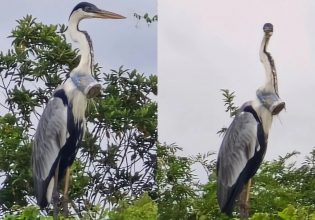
(62, 124)
(245, 142)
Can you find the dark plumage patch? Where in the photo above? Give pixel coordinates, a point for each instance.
(62, 95)
(70, 149)
(273, 68)
(251, 110)
(85, 6)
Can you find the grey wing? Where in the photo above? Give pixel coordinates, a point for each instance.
(238, 146)
(50, 136)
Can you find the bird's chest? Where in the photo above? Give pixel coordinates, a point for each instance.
(262, 139)
(75, 129)
(75, 124)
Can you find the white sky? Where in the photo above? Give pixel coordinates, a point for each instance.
(207, 45)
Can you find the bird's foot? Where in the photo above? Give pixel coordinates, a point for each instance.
(65, 202)
(55, 199)
(244, 211)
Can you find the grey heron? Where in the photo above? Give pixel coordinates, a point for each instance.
(62, 124)
(245, 142)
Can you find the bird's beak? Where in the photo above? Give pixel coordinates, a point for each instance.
(107, 15)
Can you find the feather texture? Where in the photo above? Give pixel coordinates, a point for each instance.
(240, 155)
(57, 138)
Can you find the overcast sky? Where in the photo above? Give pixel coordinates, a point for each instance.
(207, 45)
(116, 42)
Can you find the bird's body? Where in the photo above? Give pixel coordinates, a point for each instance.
(245, 142)
(61, 127)
(58, 138)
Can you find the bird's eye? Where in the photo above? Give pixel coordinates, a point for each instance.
(87, 8)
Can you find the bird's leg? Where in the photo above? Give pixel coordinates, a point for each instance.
(244, 201)
(55, 195)
(65, 193)
(249, 183)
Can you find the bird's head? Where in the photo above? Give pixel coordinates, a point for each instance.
(268, 29)
(88, 10)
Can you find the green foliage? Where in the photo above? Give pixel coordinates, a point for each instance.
(175, 178)
(142, 208)
(280, 183)
(126, 102)
(206, 205)
(14, 146)
(229, 102)
(79, 180)
(228, 99)
(30, 212)
(262, 216)
(40, 55)
(149, 20)
(289, 213)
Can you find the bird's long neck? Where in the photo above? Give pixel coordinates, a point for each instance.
(76, 98)
(85, 44)
(264, 114)
(271, 84)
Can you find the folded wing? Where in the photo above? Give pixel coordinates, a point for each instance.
(238, 147)
(50, 137)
